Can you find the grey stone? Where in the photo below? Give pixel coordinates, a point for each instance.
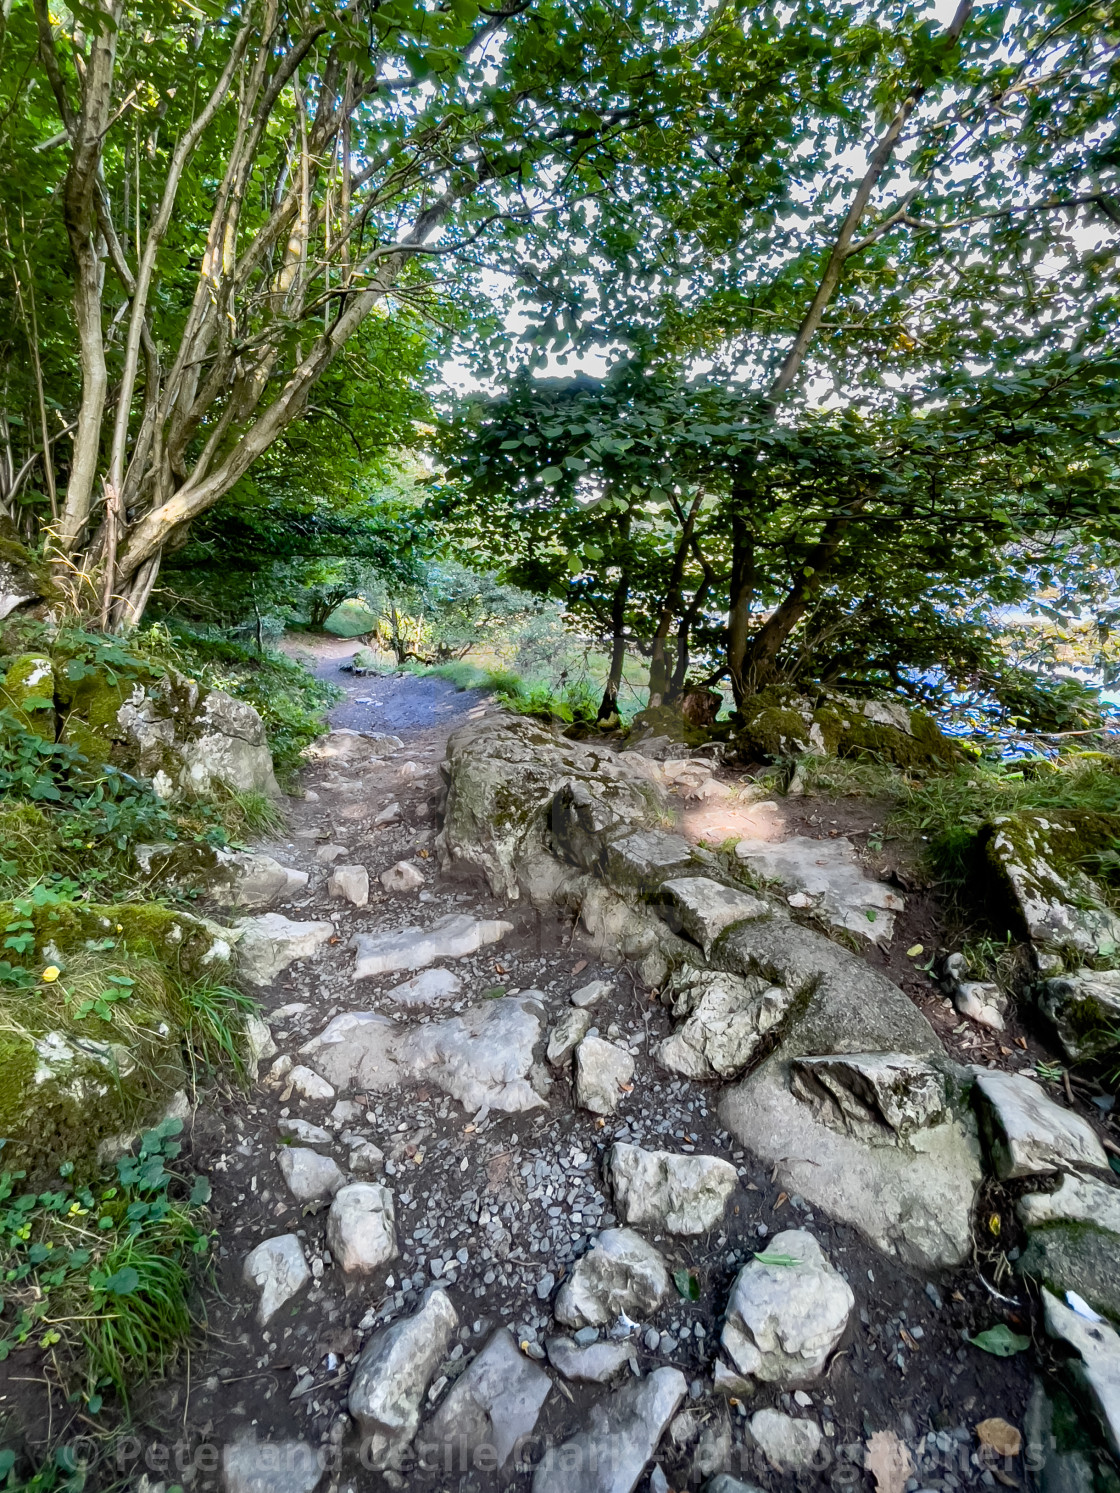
(271, 1467)
(702, 909)
(591, 994)
(452, 937)
(1077, 1200)
(726, 1019)
(388, 815)
(403, 877)
(601, 1070)
(304, 1132)
(494, 1403)
(326, 855)
(597, 1363)
(867, 1093)
(279, 1271)
(351, 883)
(784, 1321)
(255, 880)
(911, 1197)
(187, 739)
(482, 1057)
(1060, 906)
(426, 989)
(259, 1046)
(309, 1176)
(19, 584)
(361, 1228)
(829, 873)
(663, 1190)
(789, 1445)
(366, 1159)
(1027, 1133)
(1084, 1009)
(723, 1482)
(620, 1273)
(1095, 1372)
(646, 860)
(309, 1085)
(981, 1001)
(566, 1035)
(1075, 1257)
(1059, 1450)
(267, 944)
(392, 1377)
(611, 1454)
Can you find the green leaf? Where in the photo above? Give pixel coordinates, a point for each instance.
(786, 1262)
(687, 1283)
(122, 1282)
(1000, 1341)
(200, 1192)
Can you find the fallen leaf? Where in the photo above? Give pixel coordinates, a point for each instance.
(1022, 1041)
(993, 1223)
(1000, 1435)
(1000, 1341)
(915, 950)
(787, 1262)
(1005, 1478)
(783, 1197)
(687, 1283)
(626, 1088)
(577, 969)
(889, 1460)
(910, 1341)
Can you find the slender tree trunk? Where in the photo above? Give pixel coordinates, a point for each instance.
(608, 706)
(658, 664)
(762, 655)
(741, 594)
(684, 631)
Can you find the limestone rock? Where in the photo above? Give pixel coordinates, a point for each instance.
(352, 747)
(361, 1228)
(224, 742)
(1077, 1200)
(981, 1001)
(1095, 1372)
(309, 1085)
(702, 909)
(867, 1093)
(831, 875)
(266, 945)
(910, 1196)
(259, 1046)
(279, 1271)
(309, 1176)
(1036, 857)
(596, 1363)
(1084, 1009)
(388, 815)
(483, 1056)
(452, 937)
(271, 1467)
(494, 1403)
(662, 1190)
(22, 580)
(646, 860)
(590, 995)
(350, 883)
(566, 1035)
(255, 880)
(403, 877)
(601, 1070)
(1075, 1257)
(366, 1159)
(426, 989)
(789, 1444)
(392, 1377)
(326, 855)
(611, 1454)
(726, 1019)
(783, 1321)
(1027, 1133)
(620, 1273)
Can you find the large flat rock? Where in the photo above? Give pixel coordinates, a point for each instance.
(1027, 1133)
(453, 937)
(1095, 1368)
(611, 1454)
(494, 1403)
(831, 875)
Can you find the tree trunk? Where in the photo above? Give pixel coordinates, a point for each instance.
(608, 706)
(741, 595)
(761, 657)
(688, 622)
(658, 663)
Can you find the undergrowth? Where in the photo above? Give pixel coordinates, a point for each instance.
(103, 1278)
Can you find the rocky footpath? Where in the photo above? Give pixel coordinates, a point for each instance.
(579, 1160)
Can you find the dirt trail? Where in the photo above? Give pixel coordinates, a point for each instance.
(497, 1208)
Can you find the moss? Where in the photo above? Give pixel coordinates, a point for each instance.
(1079, 1256)
(28, 692)
(26, 840)
(774, 732)
(666, 720)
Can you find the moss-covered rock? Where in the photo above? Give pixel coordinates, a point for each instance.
(28, 693)
(1037, 860)
(1075, 1257)
(670, 722)
(781, 721)
(24, 579)
(1083, 1007)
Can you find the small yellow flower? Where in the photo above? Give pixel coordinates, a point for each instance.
(51, 973)
(120, 927)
